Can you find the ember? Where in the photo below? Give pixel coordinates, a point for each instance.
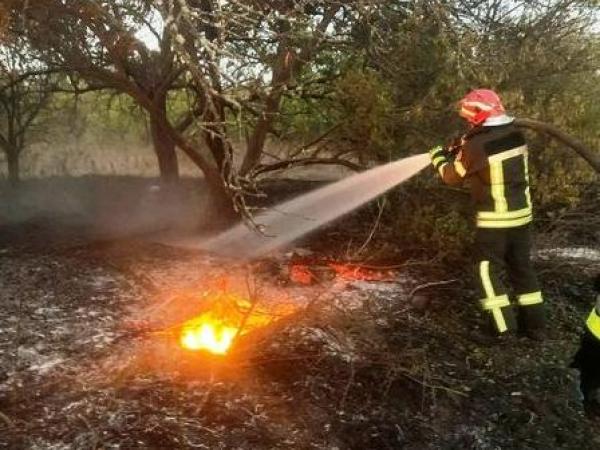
(356, 272)
(301, 274)
(307, 272)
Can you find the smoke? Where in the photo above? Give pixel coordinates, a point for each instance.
(108, 206)
(126, 206)
(292, 219)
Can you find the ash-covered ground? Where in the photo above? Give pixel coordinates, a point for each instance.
(388, 364)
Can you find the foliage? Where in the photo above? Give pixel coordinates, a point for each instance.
(365, 109)
(447, 232)
(361, 81)
(558, 179)
(98, 114)
(25, 89)
(427, 218)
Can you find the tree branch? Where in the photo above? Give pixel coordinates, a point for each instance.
(300, 162)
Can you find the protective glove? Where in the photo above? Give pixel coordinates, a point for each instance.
(439, 157)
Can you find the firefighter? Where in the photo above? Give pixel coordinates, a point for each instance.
(587, 359)
(492, 159)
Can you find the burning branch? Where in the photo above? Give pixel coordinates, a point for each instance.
(253, 298)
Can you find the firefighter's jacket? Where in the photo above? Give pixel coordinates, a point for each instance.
(593, 322)
(493, 161)
(587, 358)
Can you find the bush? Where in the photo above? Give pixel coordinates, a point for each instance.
(431, 218)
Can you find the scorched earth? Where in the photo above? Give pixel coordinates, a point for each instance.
(94, 355)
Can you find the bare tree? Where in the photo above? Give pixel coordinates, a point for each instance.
(25, 89)
(100, 42)
(233, 59)
(243, 57)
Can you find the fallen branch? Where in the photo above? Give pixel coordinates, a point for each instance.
(6, 420)
(434, 387)
(96, 438)
(592, 157)
(253, 294)
(428, 285)
(374, 228)
(348, 384)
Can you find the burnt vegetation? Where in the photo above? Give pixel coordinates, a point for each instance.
(125, 121)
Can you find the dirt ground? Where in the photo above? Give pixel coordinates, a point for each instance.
(382, 364)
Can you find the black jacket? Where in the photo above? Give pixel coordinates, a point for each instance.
(493, 161)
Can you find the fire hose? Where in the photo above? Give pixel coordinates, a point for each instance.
(590, 156)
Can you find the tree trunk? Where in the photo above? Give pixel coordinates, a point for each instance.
(218, 177)
(14, 176)
(286, 65)
(223, 213)
(215, 139)
(256, 142)
(164, 148)
(221, 208)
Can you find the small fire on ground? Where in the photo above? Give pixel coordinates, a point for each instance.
(226, 315)
(229, 317)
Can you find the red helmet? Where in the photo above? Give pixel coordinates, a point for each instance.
(479, 105)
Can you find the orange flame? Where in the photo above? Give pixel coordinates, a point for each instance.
(301, 274)
(356, 272)
(230, 316)
(207, 333)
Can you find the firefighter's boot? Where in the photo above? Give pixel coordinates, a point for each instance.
(532, 321)
(586, 360)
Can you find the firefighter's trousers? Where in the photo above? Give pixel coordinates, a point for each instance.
(503, 255)
(587, 360)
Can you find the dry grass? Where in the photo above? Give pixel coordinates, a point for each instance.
(112, 155)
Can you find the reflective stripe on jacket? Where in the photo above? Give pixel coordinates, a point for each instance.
(593, 322)
(493, 161)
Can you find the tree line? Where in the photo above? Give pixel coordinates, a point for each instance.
(355, 81)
